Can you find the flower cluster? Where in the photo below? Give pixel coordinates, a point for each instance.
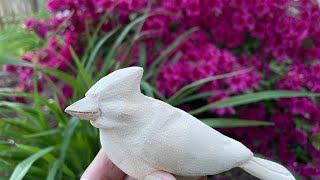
(232, 35)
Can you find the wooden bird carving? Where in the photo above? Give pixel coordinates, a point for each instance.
(142, 135)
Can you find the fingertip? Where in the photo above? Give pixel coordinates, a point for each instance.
(102, 168)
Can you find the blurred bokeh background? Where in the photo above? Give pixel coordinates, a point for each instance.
(250, 69)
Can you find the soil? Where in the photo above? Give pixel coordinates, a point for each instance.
(8, 80)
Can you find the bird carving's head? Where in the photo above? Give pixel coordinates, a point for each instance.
(107, 97)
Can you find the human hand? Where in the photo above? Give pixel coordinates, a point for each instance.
(101, 168)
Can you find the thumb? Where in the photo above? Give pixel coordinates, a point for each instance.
(160, 175)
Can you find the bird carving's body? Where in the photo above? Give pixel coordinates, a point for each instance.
(142, 135)
(153, 146)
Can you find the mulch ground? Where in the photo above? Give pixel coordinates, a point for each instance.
(8, 80)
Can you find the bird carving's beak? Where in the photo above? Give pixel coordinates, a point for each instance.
(84, 109)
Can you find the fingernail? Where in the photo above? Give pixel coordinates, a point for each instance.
(152, 178)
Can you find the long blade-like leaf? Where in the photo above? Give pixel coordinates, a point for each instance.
(41, 118)
(68, 132)
(194, 97)
(96, 49)
(42, 134)
(91, 39)
(13, 61)
(54, 72)
(23, 110)
(152, 69)
(81, 69)
(147, 88)
(125, 31)
(221, 122)
(22, 168)
(249, 98)
(65, 77)
(19, 123)
(190, 88)
(47, 157)
(8, 92)
(142, 55)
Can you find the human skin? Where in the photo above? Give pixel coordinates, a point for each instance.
(101, 168)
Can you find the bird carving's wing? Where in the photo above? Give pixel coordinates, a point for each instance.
(184, 146)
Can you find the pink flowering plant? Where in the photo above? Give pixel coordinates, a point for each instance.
(232, 63)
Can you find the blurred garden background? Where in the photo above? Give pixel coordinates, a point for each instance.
(249, 68)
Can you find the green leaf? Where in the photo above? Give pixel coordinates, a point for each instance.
(176, 58)
(16, 106)
(136, 36)
(65, 77)
(41, 118)
(110, 59)
(16, 41)
(142, 55)
(225, 122)
(117, 66)
(193, 98)
(48, 157)
(250, 98)
(23, 110)
(147, 88)
(55, 108)
(302, 125)
(315, 140)
(12, 61)
(96, 49)
(19, 123)
(158, 94)
(128, 54)
(152, 69)
(315, 137)
(81, 70)
(152, 91)
(43, 133)
(190, 88)
(92, 39)
(22, 168)
(68, 132)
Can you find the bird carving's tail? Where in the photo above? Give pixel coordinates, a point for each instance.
(266, 170)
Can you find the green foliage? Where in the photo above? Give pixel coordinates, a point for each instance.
(222, 122)
(191, 88)
(16, 41)
(249, 98)
(110, 59)
(23, 167)
(58, 164)
(38, 140)
(153, 69)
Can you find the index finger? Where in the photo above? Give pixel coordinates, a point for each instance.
(102, 168)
